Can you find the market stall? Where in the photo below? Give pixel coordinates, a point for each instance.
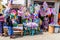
(18, 28)
(54, 5)
(34, 18)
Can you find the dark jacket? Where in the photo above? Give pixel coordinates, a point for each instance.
(9, 22)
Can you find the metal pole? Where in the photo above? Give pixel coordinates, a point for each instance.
(57, 11)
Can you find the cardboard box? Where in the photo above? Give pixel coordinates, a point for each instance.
(51, 29)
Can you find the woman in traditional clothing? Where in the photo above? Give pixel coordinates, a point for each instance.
(10, 27)
(46, 23)
(1, 24)
(20, 14)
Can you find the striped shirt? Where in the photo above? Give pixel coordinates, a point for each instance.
(1, 18)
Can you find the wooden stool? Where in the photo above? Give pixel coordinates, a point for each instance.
(18, 31)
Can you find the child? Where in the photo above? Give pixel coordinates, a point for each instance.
(10, 27)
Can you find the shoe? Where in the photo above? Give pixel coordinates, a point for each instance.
(5, 34)
(12, 37)
(1, 34)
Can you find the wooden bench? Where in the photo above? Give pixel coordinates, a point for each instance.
(16, 31)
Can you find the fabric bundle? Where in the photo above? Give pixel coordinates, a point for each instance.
(20, 13)
(10, 3)
(31, 8)
(45, 6)
(32, 24)
(13, 12)
(7, 10)
(37, 8)
(48, 11)
(42, 13)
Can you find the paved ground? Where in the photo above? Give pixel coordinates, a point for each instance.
(44, 36)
